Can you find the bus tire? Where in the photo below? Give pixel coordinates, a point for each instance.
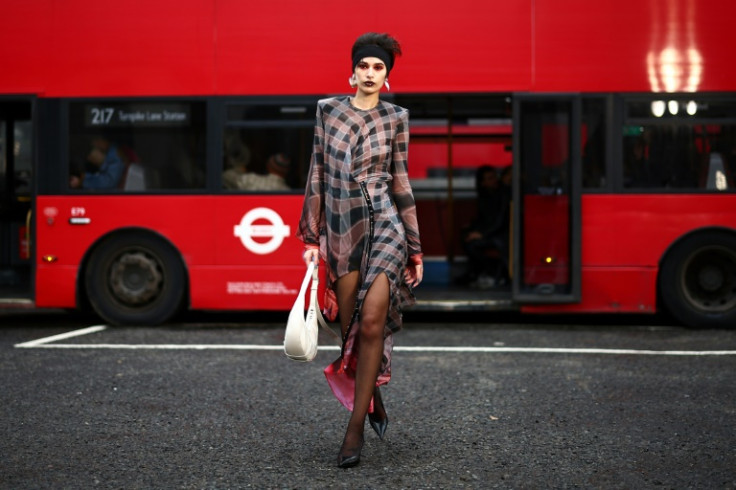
(135, 279)
(697, 280)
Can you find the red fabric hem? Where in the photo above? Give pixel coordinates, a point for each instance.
(342, 383)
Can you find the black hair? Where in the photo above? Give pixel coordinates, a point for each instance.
(382, 40)
(480, 172)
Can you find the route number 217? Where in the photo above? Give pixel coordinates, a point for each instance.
(101, 116)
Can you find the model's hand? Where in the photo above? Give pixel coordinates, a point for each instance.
(415, 270)
(311, 254)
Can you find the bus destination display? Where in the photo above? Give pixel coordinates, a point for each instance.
(136, 115)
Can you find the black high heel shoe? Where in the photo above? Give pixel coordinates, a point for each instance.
(349, 457)
(379, 424)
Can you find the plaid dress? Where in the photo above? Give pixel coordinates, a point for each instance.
(359, 208)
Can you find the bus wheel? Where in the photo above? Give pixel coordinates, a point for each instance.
(135, 279)
(698, 280)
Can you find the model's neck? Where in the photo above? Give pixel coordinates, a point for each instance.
(363, 101)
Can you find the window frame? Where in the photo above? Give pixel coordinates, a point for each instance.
(62, 163)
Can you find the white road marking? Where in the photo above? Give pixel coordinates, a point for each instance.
(63, 336)
(47, 343)
(168, 346)
(571, 350)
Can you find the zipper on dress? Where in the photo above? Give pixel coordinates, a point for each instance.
(371, 230)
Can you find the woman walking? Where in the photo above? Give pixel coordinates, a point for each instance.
(359, 216)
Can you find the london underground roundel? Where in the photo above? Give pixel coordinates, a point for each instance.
(274, 231)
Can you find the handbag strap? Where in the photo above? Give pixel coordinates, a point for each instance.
(314, 303)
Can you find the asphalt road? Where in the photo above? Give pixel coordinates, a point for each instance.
(499, 404)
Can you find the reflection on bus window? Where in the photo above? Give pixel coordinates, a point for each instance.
(680, 149)
(136, 146)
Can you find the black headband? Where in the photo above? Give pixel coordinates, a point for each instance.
(375, 51)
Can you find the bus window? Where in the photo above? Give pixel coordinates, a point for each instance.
(593, 140)
(267, 145)
(138, 146)
(3, 163)
(15, 198)
(680, 144)
(21, 156)
(453, 139)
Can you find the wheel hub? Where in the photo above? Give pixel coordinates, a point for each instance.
(136, 278)
(709, 279)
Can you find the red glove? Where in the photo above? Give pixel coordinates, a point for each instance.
(414, 270)
(330, 305)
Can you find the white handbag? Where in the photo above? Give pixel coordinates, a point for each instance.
(300, 339)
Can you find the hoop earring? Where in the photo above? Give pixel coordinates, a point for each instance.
(352, 81)
(388, 87)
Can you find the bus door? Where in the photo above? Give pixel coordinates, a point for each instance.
(546, 199)
(15, 199)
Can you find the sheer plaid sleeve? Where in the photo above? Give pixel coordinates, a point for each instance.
(312, 219)
(401, 189)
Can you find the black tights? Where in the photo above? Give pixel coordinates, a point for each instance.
(373, 315)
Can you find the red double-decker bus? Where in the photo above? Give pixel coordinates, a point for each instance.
(127, 132)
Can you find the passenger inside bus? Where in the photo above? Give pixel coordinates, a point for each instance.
(237, 159)
(637, 171)
(277, 168)
(486, 239)
(102, 168)
(238, 176)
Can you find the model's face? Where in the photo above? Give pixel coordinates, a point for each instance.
(370, 73)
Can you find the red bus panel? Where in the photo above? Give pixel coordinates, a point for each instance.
(624, 239)
(197, 47)
(225, 245)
